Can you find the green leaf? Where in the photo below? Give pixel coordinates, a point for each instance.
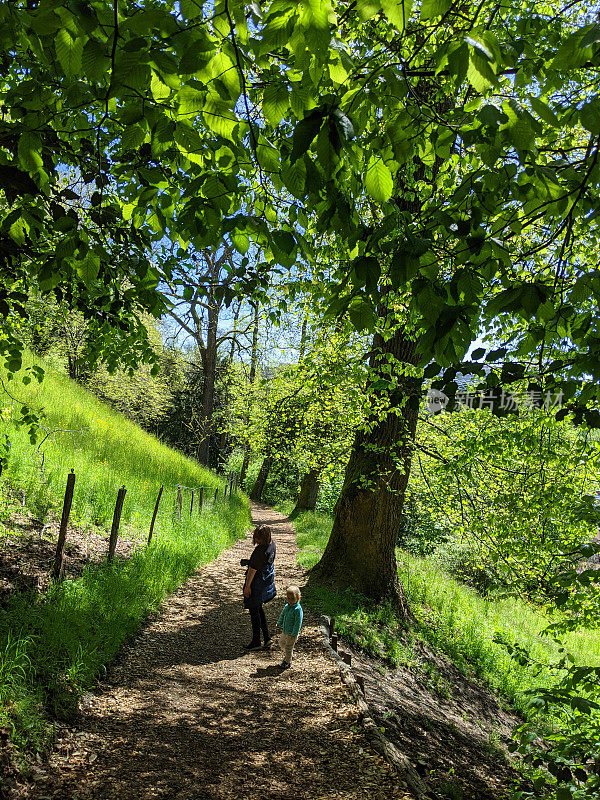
(521, 135)
(404, 266)
(219, 117)
(133, 136)
(479, 72)
(30, 151)
(284, 240)
(368, 8)
(361, 314)
(328, 159)
(316, 13)
(241, 241)
(315, 19)
(69, 50)
(95, 62)
(434, 8)
(378, 180)
(18, 231)
(458, 62)
(304, 133)
(268, 156)
(589, 116)
(344, 124)
(480, 46)
(367, 270)
(294, 177)
(276, 100)
(223, 68)
(191, 100)
(194, 59)
(160, 91)
(544, 111)
(191, 8)
(88, 268)
(398, 12)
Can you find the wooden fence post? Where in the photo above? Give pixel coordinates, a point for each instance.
(179, 502)
(347, 658)
(200, 499)
(332, 627)
(62, 533)
(160, 491)
(114, 531)
(334, 642)
(216, 494)
(361, 682)
(192, 502)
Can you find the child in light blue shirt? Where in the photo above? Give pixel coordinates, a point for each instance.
(290, 621)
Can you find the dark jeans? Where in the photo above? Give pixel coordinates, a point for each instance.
(259, 620)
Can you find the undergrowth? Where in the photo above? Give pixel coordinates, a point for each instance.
(53, 648)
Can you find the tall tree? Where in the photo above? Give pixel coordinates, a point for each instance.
(464, 207)
(361, 549)
(196, 287)
(251, 380)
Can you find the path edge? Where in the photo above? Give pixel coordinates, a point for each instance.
(377, 739)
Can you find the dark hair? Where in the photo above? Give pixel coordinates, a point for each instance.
(263, 535)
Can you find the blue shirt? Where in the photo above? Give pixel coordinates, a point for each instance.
(290, 619)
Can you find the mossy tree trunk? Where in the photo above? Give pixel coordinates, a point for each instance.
(361, 549)
(307, 496)
(261, 479)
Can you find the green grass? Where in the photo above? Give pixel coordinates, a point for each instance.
(450, 616)
(52, 649)
(105, 450)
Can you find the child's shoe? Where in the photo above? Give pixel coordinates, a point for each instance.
(284, 664)
(268, 643)
(252, 646)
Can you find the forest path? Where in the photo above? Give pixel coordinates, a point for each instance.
(185, 713)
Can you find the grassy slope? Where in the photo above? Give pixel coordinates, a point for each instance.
(450, 616)
(105, 450)
(51, 651)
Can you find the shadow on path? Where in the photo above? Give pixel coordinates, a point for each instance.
(187, 714)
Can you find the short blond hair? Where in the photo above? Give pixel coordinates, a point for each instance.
(295, 591)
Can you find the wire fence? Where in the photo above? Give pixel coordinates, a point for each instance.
(199, 499)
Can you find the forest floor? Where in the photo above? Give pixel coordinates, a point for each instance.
(185, 713)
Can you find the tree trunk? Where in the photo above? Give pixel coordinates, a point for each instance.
(209, 366)
(361, 549)
(223, 446)
(303, 337)
(251, 377)
(307, 497)
(261, 479)
(245, 464)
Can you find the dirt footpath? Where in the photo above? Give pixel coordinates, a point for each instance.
(186, 713)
